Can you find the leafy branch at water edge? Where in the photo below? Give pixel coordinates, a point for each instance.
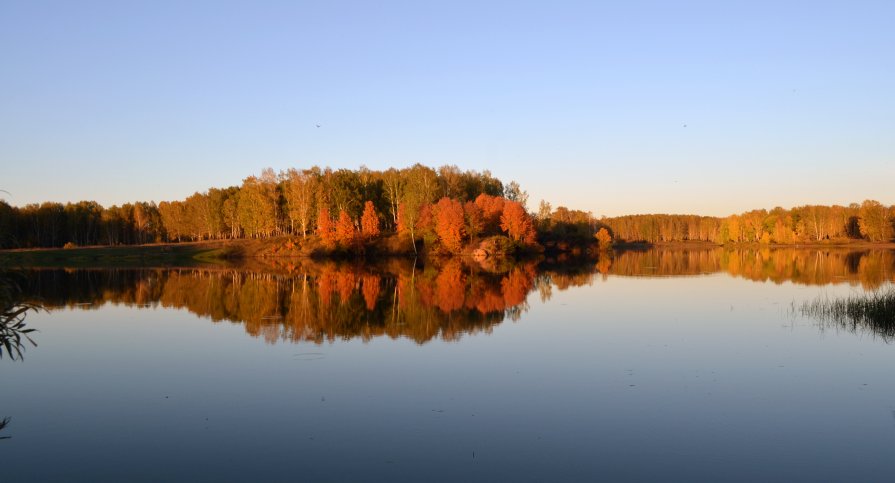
(13, 331)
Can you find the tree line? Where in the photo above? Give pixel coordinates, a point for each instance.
(869, 221)
(52, 224)
(342, 206)
(819, 266)
(446, 208)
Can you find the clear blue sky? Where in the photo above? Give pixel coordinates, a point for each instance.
(583, 103)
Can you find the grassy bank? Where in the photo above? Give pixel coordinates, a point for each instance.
(156, 255)
(223, 252)
(193, 253)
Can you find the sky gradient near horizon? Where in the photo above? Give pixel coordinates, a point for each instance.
(612, 107)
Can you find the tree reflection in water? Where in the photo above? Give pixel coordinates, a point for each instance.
(815, 266)
(302, 300)
(314, 301)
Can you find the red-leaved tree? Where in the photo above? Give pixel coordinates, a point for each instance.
(449, 223)
(517, 224)
(369, 222)
(326, 228)
(492, 209)
(345, 230)
(475, 221)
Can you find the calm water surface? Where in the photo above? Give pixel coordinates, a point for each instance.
(656, 365)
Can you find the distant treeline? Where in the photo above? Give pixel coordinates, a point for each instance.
(446, 208)
(869, 221)
(871, 268)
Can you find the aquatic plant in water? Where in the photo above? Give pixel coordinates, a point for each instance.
(3, 424)
(873, 311)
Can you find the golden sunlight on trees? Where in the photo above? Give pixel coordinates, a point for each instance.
(404, 202)
(419, 191)
(268, 205)
(300, 191)
(874, 222)
(870, 221)
(393, 187)
(256, 207)
(403, 226)
(604, 239)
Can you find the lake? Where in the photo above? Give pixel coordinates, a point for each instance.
(688, 364)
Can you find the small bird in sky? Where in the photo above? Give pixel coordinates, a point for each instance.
(685, 125)
(318, 125)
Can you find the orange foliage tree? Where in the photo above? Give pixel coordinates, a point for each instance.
(449, 223)
(517, 224)
(325, 227)
(604, 239)
(475, 221)
(492, 209)
(344, 229)
(369, 221)
(425, 223)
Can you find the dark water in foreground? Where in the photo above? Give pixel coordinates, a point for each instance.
(658, 365)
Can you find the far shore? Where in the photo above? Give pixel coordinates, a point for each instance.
(816, 244)
(216, 252)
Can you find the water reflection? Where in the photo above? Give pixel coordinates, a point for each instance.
(626, 368)
(872, 312)
(301, 300)
(312, 302)
(816, 266)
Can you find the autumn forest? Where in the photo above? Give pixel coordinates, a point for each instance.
(444, 210)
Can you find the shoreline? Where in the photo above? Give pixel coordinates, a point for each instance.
(222, 252)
